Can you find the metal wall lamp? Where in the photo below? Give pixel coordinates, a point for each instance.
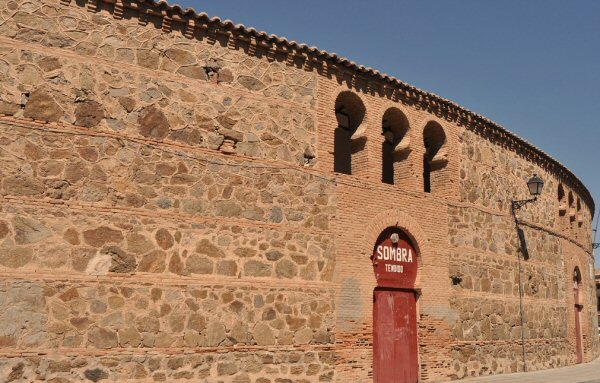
(535, 185)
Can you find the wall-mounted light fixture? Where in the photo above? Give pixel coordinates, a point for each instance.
(535, 186)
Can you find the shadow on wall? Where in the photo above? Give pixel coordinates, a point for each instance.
(522, 242)
(395, 146)
(348, 141)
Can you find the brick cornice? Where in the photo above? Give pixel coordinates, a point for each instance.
(331, 63)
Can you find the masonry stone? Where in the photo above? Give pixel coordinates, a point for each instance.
(153, 123)
(22, 185)
(42, 106)
(29, 230)
(88, 113)
(164, 239)
(215, 334)
(96, 374)
(102, 235)
(8, 107)
(153, 262)
(103, 338)
(263, 334)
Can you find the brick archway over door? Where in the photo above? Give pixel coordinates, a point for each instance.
(397, 306)
(395, 217)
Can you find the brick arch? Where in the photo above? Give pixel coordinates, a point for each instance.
(574, 262)
(581, 313)
(420, 129)
(356, 108)
(344, 88)
(439, 162)
(393, 110)
(350, 143)
(387, 105)
(575, 265)
(412, 132)
(438, 129)
(395, 217)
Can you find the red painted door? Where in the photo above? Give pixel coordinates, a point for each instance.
(578, 334)
(395, 337)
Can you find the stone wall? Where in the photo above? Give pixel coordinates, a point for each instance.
(51, 87)
(110, 172)
(118, 314)
(147, 84)
(159, 217)
(487, 241)
(237, 366)
(169, 212)
(489, 175)
(479, 359)
(489, 274)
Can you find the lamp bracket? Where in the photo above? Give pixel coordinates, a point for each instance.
(517, 204)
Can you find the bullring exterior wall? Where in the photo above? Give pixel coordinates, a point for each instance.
(169, 212)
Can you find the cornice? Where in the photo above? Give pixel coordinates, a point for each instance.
(332, 63)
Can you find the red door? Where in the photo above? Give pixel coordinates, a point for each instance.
(395, 337)
(578, 334)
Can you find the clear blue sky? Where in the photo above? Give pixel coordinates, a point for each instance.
(532, 66)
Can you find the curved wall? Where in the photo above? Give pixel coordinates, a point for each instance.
(468, 282)
(169, 211)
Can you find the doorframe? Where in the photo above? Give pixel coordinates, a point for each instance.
(578, 333)
(577, 309)
(395, 217)
(417, 295)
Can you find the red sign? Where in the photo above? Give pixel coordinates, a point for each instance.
(395, 259)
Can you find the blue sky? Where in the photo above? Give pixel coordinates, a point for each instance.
(532, 66)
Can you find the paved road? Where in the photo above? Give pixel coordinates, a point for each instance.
(582, 373)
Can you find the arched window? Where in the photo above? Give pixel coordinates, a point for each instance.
(571, 209)
(576, 284)
(562, 223)
(348, 140)
(435, 157)
(395, 146)
(562, 203)
(579, 216)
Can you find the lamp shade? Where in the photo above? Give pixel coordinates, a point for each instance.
(535, 185)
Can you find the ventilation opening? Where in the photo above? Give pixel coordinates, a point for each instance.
(571, 208)
(395, 147)
(435, 157)
(349, 154)
(579, 217)
(576, 284)
(456, 280)
(562, 206)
